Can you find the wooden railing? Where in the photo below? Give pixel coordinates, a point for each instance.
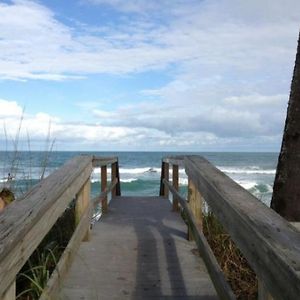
(25, 222)
(270, 244)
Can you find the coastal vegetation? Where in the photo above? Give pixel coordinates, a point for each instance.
(33, 277)
(234, 265)
(35, 273)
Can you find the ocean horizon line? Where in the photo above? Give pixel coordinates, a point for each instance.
(139, 151)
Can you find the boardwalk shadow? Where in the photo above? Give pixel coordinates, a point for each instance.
(159, 269)
(138, 251)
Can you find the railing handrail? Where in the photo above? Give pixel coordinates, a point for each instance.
(25, 222)
(175, 160)
(98, 199)
(99, 161)
(223, 288)
(22, 226)
(270, 244)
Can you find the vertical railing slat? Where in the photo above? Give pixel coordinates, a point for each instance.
(118, 186)
(195, 203)
(103, 187)
(176, 186)
(113, 177)
(166, 176)
(10, 294)
(82, 204)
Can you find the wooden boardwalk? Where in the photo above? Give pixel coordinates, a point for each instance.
(138, 250)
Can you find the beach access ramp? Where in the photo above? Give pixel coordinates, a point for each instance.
(139, 250)
(147, 247)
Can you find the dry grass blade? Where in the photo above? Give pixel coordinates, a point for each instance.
(232, 262)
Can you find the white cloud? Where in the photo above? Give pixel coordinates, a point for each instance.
(159, 128)
(35, 45)
(9, 109)
(136, 6)
(231, 63)
(256, 100)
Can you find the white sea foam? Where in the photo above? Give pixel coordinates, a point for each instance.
(254, 186)
(247, 184)
(250, 170)
(129, 180)
(93, 180)
(183, 181)
(139, 170)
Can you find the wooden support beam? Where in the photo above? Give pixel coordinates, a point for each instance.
(166, 176)
(195, 203)
(161, 189)
(113, 177)
(103, 187)
(26, 222)
(176, 187)
(263, 293)
(222, 287)
(54, 284)
(10, 293)
(118, 186)
(269, 243)
(82, 204)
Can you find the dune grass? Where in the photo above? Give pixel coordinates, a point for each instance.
(235, 267)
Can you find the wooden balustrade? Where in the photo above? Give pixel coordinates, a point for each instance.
(25, 222)
(104, 187)
(222, 287)
(175, 180)
(269, 243)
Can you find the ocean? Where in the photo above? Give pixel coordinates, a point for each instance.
(140, 171)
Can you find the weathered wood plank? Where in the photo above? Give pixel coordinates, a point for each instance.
(118, 186)
(104, 187)
(175, 160)
(263, 293)
(10, 294)
(53, 286)
(175, 182)
(103, 195)
(216, 274)
(296, 225)
(25, 222)
(195, 205)
(166, 177)
(99, 161)
(138, 251)
(113, 178)
(161, 188)
(86, 198)
(270, 244)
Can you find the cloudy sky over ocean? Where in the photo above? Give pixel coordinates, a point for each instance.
(211, 75)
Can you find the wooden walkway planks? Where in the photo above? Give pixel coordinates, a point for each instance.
(138, 251)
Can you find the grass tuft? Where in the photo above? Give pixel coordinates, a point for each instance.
(236, 269)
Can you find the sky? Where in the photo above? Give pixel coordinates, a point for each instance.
(146, 75)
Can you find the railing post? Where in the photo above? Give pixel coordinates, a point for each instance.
(176, 186)
(118, 186)
(161, 190)
(166, 176)
(195, 204)
(10, 293)
(263, 293)
(113, 177)
(103, 187)
(82, 204)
